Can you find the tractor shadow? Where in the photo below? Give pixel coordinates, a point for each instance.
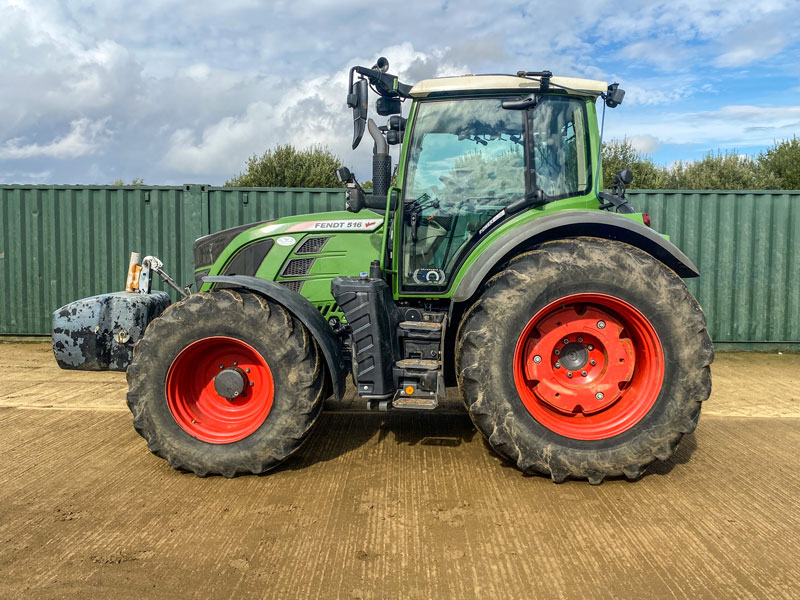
(347, 427)
(339, 433)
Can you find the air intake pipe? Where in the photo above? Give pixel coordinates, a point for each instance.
(381, 164)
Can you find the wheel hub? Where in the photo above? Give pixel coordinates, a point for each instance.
(574, 356)
(588, 366)
(219, 389)
(230, 383)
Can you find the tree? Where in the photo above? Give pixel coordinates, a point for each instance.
(285, 166)
(136, 182)
(782, 163)
(620, 154)
(716, 171)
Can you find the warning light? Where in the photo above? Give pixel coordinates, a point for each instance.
(409, 390)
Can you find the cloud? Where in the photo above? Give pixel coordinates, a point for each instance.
(195, 92)
(303, 113)
(663, 54)
(27, 176)
(729, 127)
(84, 137)
(646, 144)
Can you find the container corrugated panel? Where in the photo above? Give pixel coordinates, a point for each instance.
(746, 245)
(228, 207)
(61, 243)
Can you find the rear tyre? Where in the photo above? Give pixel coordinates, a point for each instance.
(584, 358)
(225, 382)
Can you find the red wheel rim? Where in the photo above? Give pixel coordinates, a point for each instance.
(611, 350)
(197, 406)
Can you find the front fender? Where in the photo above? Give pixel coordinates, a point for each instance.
(572, 223)
(303, 310)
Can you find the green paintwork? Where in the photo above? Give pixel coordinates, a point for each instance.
(348, 252)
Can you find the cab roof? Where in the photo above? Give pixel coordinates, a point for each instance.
(468, 83)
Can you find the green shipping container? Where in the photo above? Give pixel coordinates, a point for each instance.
(61, 243)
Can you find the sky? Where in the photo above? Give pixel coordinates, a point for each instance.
(184, 92)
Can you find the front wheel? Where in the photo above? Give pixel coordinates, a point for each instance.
(585, 358)
(225, 382)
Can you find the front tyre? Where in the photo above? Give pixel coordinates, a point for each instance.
(225, 382)
(584, 358)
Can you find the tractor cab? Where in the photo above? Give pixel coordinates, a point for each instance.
(477, 151)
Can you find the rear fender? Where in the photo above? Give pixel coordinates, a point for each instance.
(572, 223)
(301, 308)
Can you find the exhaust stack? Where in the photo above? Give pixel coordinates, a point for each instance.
(381, 162)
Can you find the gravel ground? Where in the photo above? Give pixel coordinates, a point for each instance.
(392, 505)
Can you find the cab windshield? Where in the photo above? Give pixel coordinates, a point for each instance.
(468, 159)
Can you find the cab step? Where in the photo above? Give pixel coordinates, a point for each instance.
(418, 364)
(421, 329)
(415, 402)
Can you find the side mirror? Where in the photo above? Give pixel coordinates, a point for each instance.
(621, 179)
(357, 100)
(624, 176)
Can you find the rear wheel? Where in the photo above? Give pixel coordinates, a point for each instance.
(225, 383)
(585, 358)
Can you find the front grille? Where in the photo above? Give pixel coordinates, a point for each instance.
(297, 267)
(295, 286)
(312, 245)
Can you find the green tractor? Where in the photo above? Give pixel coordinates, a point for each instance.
(490, 261)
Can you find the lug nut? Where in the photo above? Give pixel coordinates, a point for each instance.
(601, 324)
(569, 375)
(593, 362)
(235, 363)
(235, 393)
(557, 365)
(599, 395)
(590, 347)
(247, 370)
(580, 340)
(583, 373)
(537, 359)
(556, 351)
(566, 341)
(252, 383)
(222, 366)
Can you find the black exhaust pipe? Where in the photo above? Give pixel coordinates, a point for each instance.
(381, 163)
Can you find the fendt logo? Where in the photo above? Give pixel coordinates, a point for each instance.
(342, 225)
